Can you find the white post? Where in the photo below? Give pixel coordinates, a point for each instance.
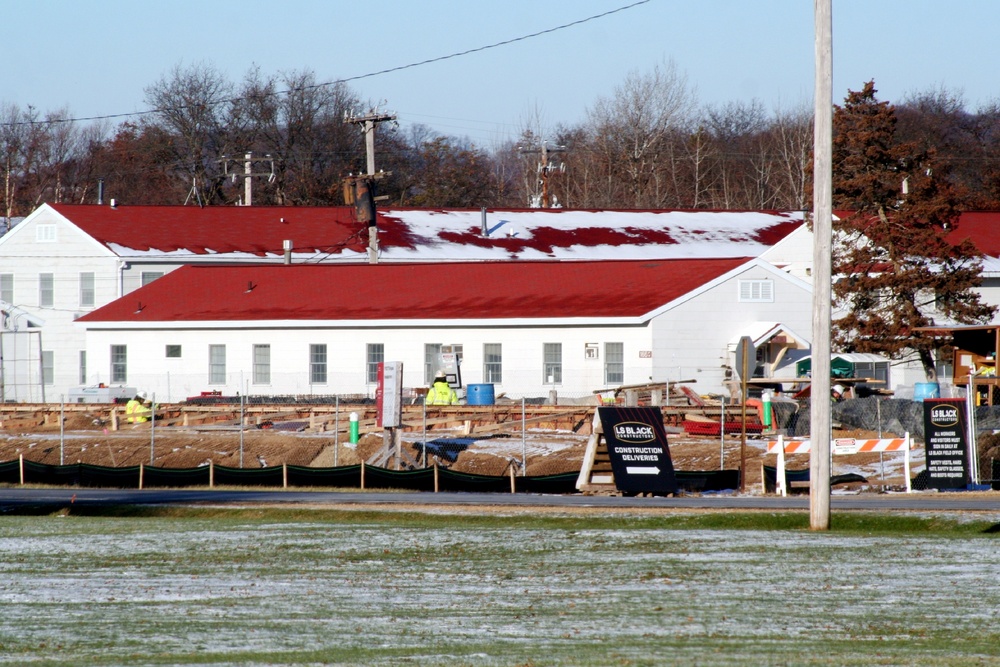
(152, 428)
(819, 461)
(62, 429)
(779, 473)
(906, 461)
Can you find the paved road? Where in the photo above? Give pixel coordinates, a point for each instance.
(13, 498)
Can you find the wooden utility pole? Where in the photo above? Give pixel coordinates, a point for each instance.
(368, 123)
(544, 168)
(819, 412)
(249, 174)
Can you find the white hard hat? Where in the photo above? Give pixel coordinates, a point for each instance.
(143, 395)
(839, 388)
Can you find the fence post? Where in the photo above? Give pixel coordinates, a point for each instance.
(20, 462)
(362, 474)
(436, 477)
(513, 488)
(142, 472)
(284, 474)
(211, 474)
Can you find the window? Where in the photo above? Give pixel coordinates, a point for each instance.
(431, 356)
(173, 352)
(87, 290)
(216, 364)
(375, 355)
(48, 366)
(552, 370)
(83, 367)
(7, 287)
(317, 364)
(149, 276)
(46, 290)
(261, 364)
(45, 233)
(614, 363)
(756, 290)
(492, 363)
(119, 367)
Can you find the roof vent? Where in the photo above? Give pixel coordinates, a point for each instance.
(114, 203)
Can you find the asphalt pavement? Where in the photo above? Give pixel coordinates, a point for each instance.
(13, 499)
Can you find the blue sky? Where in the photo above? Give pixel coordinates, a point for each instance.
(96, 57)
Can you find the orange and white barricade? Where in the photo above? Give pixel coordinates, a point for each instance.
(838, 447)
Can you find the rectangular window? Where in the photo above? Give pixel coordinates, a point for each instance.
(317, 364)
(83, 367)
(48, 366)
(756, 291)
(119, 366)
(45, 233)
(87, 289)
(261, 364)
(46, 290)
(614, 363)
(552, 369)
(431, 355)
(173, 352)
(375, 355)
(7, 287)
(149, 276)
(216, 364)
(492, 363)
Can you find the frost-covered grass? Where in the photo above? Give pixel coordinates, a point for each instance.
(262, 587)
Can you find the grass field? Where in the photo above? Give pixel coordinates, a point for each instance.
(267, 587)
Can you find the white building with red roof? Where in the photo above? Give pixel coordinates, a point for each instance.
(526, 327)
(64, 261)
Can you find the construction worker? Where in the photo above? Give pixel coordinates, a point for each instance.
(136, 410)
(441, 392)
(837, 393)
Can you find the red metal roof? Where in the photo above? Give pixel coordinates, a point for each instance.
(430, 234)
(983, 227)
(445, 291)
(219, 229)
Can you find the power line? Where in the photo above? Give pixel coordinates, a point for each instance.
(54, 121)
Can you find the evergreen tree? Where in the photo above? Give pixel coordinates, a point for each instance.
(894, 268)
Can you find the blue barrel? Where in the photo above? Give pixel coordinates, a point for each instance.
(480, 394)
(922, 390)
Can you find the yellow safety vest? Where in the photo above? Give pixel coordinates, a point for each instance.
(441, 393)
(136, 411)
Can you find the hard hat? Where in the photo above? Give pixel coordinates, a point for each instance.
(440, 374)
(142, 395)
(839, 388)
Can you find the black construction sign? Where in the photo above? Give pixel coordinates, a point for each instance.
(945, 438)
(637, 447)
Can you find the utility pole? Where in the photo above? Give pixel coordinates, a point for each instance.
(361, 189)
(249, 173)
(544, 168)
(819, 411)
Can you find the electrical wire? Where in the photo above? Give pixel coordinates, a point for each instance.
(358, 77)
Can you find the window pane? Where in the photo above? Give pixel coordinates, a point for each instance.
(614, 363)
(552, 371)
(149, 276)
(492, 363)
(173, 351)
(48, 366)
(317, 364)
(261, 364)
(119, 364)
(7, 287)
(431, 352)
(46, 290)
(83, 367)
(87, 290)
(376, 355)
(217, 364)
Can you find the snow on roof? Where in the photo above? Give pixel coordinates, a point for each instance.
(408, 292)
(329, 233)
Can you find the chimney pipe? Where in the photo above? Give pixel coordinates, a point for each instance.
(287, 244)
(483, 231)
(100, 192)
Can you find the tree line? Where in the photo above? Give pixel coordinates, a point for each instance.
(647, 145)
